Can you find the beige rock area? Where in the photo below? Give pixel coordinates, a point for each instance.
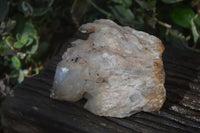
(119, 70)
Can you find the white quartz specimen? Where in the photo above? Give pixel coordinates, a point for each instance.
(118, 70)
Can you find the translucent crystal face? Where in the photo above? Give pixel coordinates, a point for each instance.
(117, 69)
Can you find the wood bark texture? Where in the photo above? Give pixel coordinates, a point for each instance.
(30, 110)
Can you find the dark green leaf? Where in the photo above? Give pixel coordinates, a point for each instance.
(171, 1)
(29, 58)
(30, 40)
(194, 31)
(21, 75)
(182, 16)
(124, 15)
(4, 49)
(24, 38)
(16, 62)
(42, 10)
(39, 63)
(33, 40)
(29, 29)
(37, 71)
(18, 36)
(125, 3)
(18, 44)
(147, 4)
(32, 49)
(20, 78)
(26, 8)
(197, 21)
(10, 41)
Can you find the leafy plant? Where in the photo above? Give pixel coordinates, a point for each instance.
(186, 18)
(27, 29)
(30, 32)
(182, 22)
(19, 39)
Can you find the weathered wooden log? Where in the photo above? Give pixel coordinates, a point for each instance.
(30, 109)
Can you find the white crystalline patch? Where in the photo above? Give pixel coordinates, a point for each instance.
(118, 70)
(64, 69)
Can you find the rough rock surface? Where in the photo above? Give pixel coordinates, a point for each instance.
(118, 70)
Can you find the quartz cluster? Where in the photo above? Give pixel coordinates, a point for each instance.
(119, 70)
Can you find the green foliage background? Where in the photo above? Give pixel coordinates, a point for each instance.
(31, 31)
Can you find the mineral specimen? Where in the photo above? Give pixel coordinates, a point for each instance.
(118, 70)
